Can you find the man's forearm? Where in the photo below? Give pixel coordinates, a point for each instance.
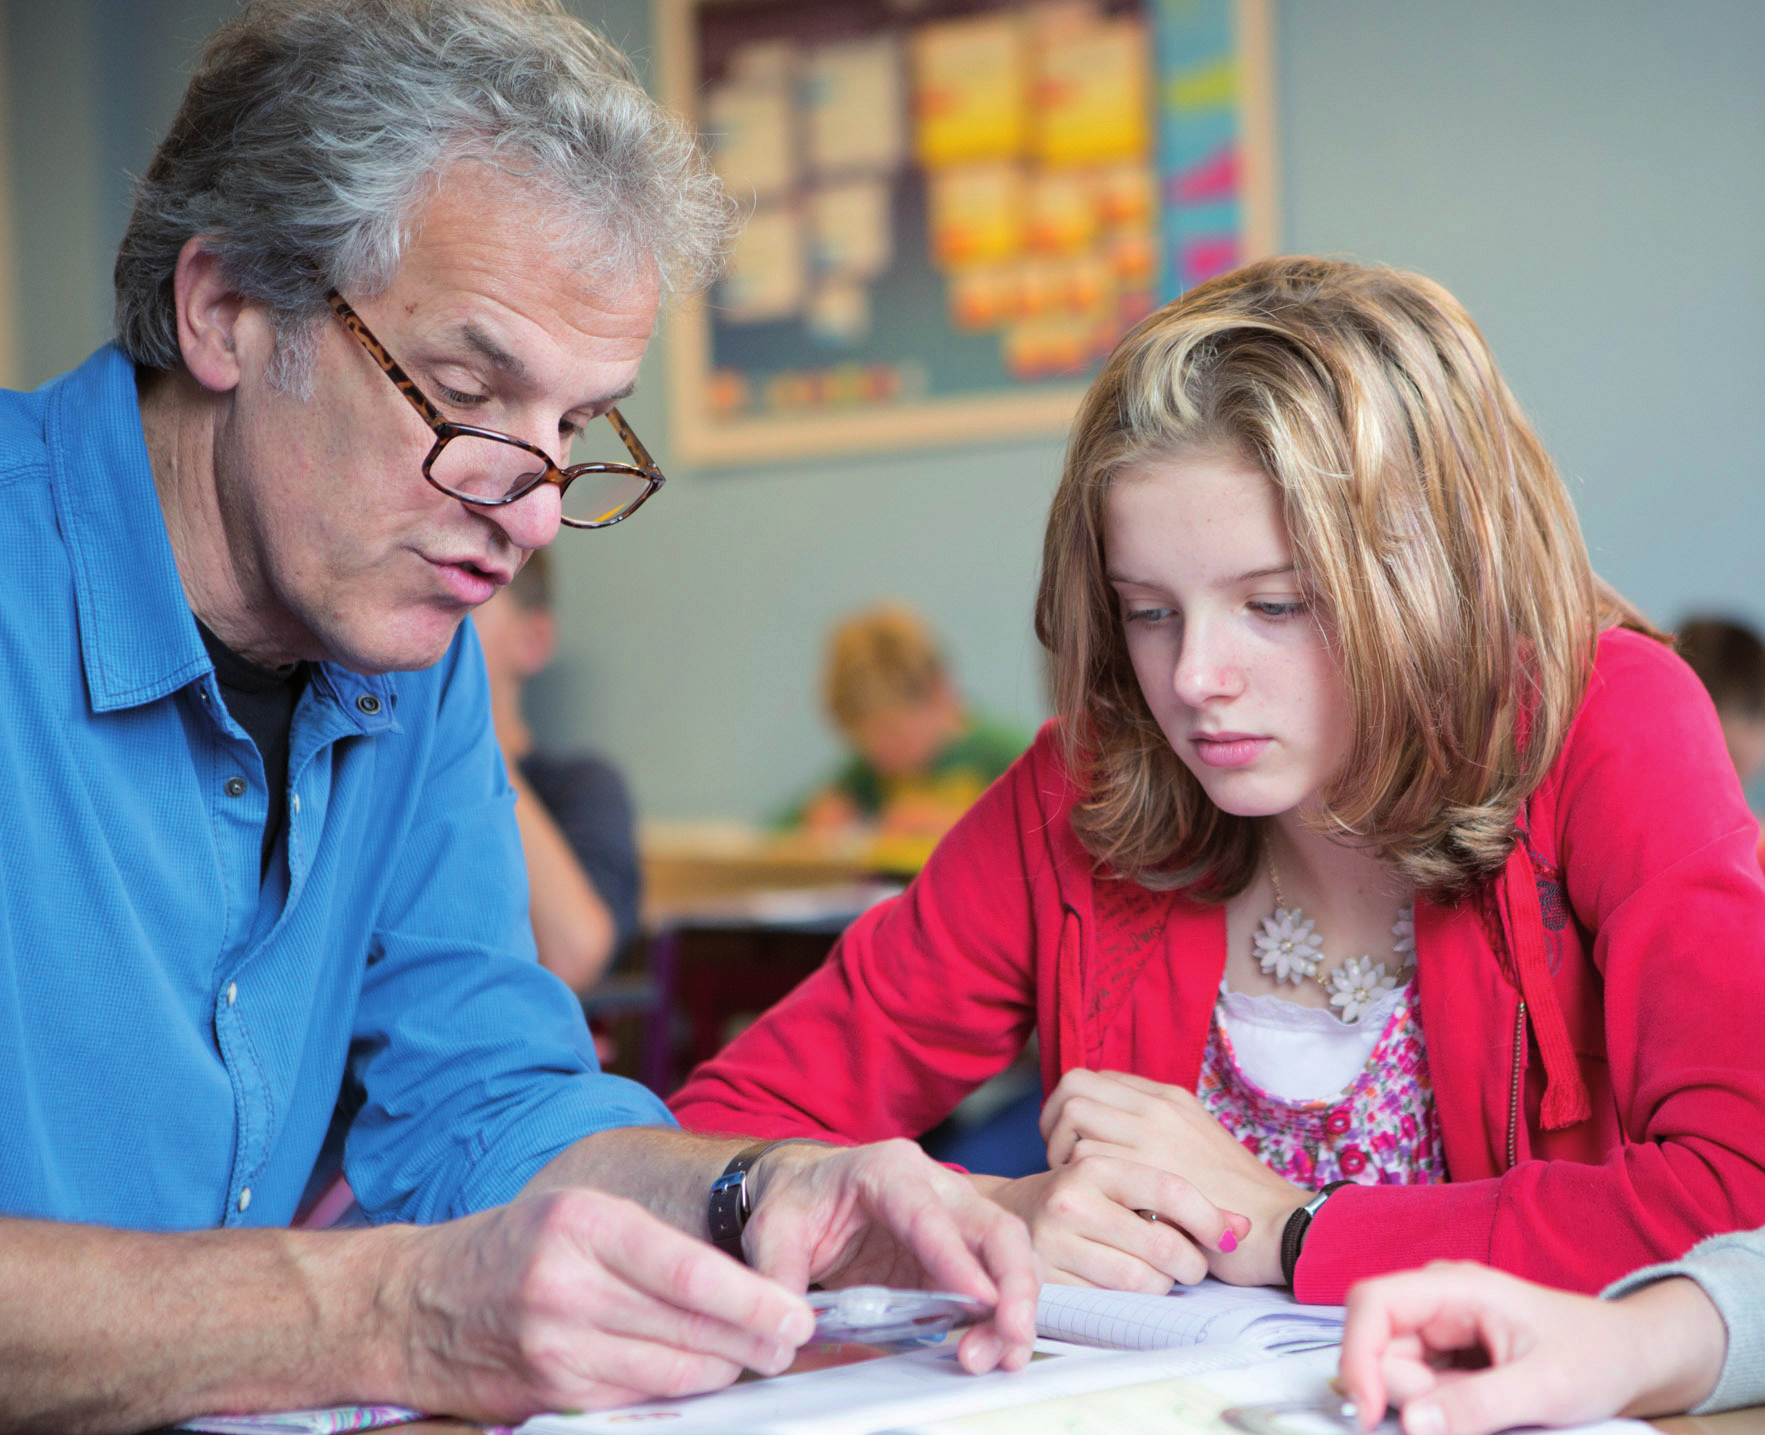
(105, 1330)
(666, 1171)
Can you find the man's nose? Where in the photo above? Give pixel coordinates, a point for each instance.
(532, 520)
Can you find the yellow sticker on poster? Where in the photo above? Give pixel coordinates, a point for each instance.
(970, 90)
(1063, 210)
(977, 214)
(1092, 93)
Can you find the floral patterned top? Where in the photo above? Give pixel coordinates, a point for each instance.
(1380, 1129)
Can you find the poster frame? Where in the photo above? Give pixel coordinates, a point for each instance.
(701, 439)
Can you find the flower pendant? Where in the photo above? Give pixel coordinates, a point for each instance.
(1357, 984)
(1286, 946)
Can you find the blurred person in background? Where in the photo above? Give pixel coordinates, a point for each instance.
(573, 809)
(1729, 659)
(919, 756)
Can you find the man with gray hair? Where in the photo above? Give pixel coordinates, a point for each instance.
(260, 859)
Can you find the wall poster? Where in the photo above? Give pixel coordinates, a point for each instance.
(955, 207)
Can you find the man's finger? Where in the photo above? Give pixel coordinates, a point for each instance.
(940, 1219)
(697, 1297)
(606, 1369)
(1007, 1338)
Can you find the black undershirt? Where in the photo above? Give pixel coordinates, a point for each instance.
(261, 701)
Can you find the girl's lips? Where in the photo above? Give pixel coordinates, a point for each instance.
(1228, 749)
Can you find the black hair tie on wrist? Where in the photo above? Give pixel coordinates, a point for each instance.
(1293, 1233)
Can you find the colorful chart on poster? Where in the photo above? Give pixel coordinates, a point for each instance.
(954, 209)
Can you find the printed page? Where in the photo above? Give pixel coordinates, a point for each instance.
(1209, 1313)
(1195, 1405)
(924, 1385)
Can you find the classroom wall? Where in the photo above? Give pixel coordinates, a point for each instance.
(1585, 175)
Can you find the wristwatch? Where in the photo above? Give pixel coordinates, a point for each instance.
(730, 1206)
(1293, 1233)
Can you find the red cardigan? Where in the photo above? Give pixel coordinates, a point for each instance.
(1593, 1014)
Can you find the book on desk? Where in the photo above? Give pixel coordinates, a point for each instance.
(1108, 1363)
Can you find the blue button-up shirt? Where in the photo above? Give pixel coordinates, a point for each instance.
(174, 1034)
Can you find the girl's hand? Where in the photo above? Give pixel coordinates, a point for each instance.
(1129, 1118)
(1466, 1350)
(1085, 1221)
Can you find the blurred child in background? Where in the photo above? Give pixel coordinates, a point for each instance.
(1729, 659)
(574, 812)
(919, 756)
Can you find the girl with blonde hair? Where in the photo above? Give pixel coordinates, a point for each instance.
(1381, 890)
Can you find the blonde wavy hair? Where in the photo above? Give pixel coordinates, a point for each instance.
(880, 658)
(1426, 519)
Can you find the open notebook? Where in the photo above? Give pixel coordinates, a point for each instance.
(1239, 1324)
(1207, 1314)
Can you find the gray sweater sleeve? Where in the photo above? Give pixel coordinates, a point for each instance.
(1731, 1270)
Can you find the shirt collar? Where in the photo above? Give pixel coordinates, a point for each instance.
(138, 638)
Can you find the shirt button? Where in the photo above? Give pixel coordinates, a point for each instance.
(1337, 1123)
(1353, 1161)
(245, 1198)
(235, 787)
(294, 802)
(368, 703)
(232, 992)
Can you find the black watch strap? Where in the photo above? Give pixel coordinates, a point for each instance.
(1293, 1233)
(730, 1206)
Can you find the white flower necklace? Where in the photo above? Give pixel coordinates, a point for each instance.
(1289, 948)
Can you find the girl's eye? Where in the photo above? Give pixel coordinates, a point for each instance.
(1279, 611)
(1147, 615)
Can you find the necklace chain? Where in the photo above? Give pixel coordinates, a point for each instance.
(1289, 948)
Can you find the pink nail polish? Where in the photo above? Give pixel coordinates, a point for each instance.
(1228, 1242)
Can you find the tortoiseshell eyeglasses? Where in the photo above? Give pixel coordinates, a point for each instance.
(486, 468)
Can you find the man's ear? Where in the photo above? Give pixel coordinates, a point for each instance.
(209, 310)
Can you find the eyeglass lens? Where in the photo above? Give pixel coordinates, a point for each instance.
(483, 468)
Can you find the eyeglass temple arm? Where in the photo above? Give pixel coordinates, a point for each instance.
(377, 352)
(633, 443)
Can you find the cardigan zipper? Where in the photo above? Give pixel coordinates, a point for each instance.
(1514, 1090)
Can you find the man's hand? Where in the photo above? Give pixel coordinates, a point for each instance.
(888, 1215)
(1130, 1118)
(576, 1300)
(1466, 1350)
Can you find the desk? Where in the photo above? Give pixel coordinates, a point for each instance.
(1750, 1421)
(734, 917)
(690, 865)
